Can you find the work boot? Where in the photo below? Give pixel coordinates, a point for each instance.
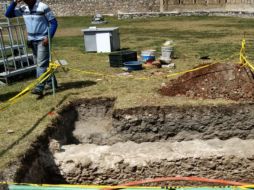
(49, 86)
(37, 91)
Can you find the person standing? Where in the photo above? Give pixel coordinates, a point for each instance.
(38, 18)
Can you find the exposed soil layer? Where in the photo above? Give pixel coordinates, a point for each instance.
(93, 143)
(153, 124)
(229, 81)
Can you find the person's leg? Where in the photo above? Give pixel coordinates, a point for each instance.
(42, 62)
(34, 46)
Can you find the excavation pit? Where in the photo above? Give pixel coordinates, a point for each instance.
(91, 142)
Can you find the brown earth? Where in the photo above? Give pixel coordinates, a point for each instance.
(229, 81)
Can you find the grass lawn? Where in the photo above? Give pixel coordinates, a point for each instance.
(194, 37)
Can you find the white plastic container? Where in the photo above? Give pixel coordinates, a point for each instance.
(166, 53)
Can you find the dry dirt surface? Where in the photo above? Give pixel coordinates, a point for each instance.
(221, 80)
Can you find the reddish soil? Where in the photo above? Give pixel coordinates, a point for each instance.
(229, 81)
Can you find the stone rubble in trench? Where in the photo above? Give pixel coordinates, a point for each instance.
(134, 154)
(100, 164)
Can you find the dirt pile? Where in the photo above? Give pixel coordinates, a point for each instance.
(229, 81)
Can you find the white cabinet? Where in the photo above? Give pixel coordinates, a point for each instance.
(101, 40)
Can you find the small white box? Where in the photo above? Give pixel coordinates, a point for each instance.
(101, 40)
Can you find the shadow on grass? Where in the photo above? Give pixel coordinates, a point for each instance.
(2, 152)
(125, 49)
(64, 86)
(7, 96)
(71, 85)
(77, 84)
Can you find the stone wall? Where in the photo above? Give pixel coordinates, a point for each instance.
(113, 7)
(138, 15)
(207, 5)
(90, 7)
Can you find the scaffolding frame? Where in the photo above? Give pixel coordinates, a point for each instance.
(14, 56)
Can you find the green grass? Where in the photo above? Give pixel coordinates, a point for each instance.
(66, 22)
(194, 37)
(67, 42)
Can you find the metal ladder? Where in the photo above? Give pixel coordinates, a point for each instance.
(14, 57)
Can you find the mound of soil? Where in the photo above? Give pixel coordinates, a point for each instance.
(229, 81)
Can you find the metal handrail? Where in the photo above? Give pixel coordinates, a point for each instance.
(12, 40)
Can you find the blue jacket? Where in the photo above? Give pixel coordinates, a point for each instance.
(37, 19)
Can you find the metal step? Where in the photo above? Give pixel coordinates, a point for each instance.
(17, 72)
(3, 23)
(12, 47)
(16, 58)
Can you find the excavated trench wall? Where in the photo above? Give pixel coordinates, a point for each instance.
(93, 143)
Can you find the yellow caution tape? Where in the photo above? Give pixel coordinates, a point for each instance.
(191, 70)
(102, 74)
(52, 67)
(139, 78)
(248, 186)
(80, 186)
(111, 187)
(243, 59)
